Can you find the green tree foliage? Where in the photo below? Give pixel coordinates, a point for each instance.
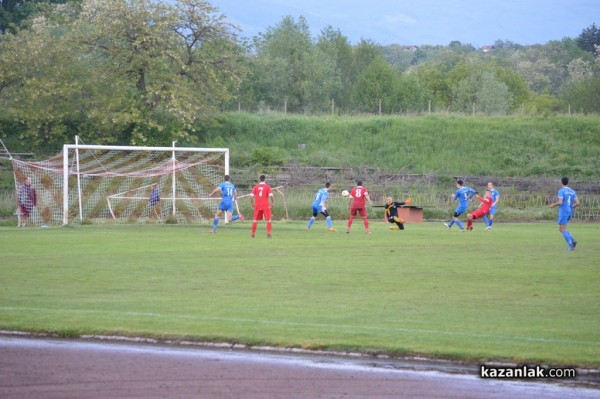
(589, 37)
(14, 12)
(480, 91)
(434, 79)
(411, 95)
(375, 86)
(583, 96)
(340, 52)
(287, 63)
(139, 72)
(153, 71)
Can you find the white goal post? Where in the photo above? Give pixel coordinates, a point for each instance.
(96, 184)
(182, 175)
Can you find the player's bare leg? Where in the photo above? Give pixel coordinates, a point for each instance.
(350, 220)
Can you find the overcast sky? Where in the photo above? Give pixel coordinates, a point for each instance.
(419, 22)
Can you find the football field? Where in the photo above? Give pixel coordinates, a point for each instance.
(514, 293)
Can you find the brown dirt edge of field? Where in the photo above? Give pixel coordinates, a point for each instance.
(586, 377)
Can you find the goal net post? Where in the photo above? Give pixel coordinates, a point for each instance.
(138, 184)
(96, 184)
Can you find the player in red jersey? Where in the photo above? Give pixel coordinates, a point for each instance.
(359, 196)
(262, 200)
(484, 209)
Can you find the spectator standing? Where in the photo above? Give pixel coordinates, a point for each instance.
(27, 200)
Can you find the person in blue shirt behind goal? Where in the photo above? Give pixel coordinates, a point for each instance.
(463, 194)
(228, 196)
(318, 206)
(567, 202)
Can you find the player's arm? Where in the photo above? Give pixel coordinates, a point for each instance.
(576, 203)
(368, 198)
(557, 203)
(214, 191)
(271, 199)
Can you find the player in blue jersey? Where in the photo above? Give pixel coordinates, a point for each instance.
(567, 201)
(463, 195)
(228, 195)
(318, 206)
(489, 218)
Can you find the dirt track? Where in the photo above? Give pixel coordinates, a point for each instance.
(48, 369)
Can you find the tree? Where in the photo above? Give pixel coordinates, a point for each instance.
(579, 70)
(294, 70)
(377, 84)
(588, 38)
(283, 53)
(137, 72)
(337, 47)
(14, 12)
(583, 96)
(493, 97)
(434, 79)
(410, 95)
(482, 92)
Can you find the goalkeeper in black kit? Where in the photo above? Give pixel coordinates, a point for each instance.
(391, 212)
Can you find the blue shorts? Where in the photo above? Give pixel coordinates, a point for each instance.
(226, 205)
(564, 217)
(492, 211)
(316, 209)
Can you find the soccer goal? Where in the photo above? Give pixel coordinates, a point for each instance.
(95, 184)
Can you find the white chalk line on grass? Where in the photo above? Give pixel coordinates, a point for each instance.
(317, 325)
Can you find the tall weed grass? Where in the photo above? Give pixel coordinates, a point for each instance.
(455, 145)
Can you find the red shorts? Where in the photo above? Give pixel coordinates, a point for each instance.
(479, 213)
(358, 211)
(260, 213)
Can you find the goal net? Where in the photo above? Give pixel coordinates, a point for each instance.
(95, 184)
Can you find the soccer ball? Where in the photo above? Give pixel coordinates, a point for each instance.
(345, 193)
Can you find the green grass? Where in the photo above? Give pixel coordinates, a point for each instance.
(514, 293)
(510, 146)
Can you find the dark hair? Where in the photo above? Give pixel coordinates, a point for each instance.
(226, 177)
(565, 180)
(262, 177)
(359, 183)
(328, 184)
(459, 182)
